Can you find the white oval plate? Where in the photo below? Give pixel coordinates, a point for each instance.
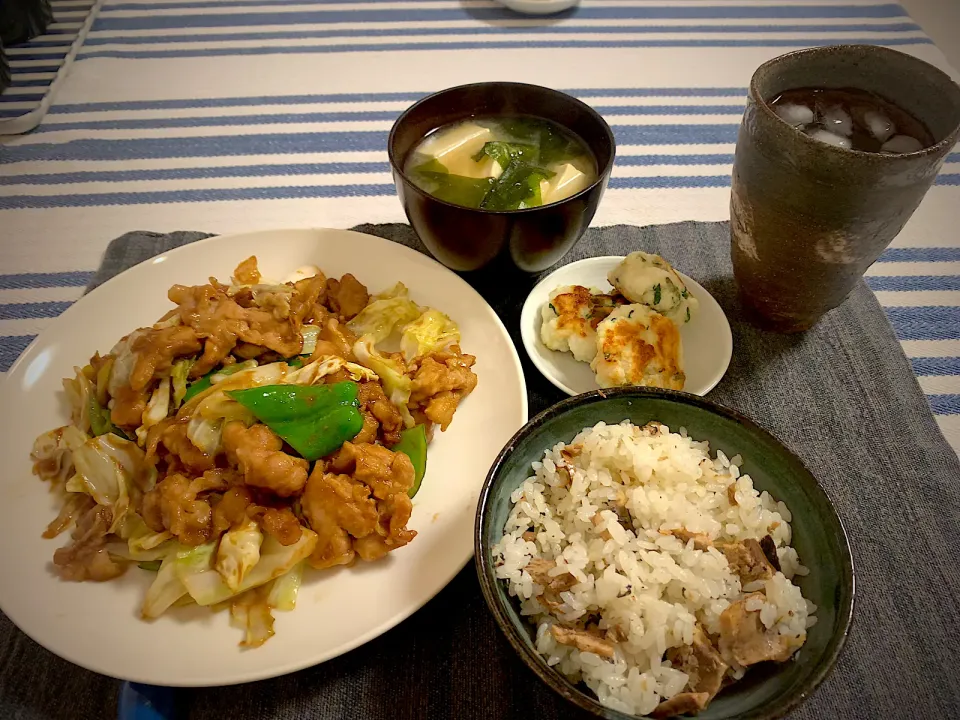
(707, 341)
(97, 625)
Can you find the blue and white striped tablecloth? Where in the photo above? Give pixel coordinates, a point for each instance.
(231, 115)
(39, 66)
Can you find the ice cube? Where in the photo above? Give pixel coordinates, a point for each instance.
(796, 115)
(880, 126)
(901, 144)
(825, 136)
(837, 120)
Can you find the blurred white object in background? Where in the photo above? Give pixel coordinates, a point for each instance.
(538, 7)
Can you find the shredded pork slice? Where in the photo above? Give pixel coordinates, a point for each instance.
(218, 479)
(597, 520)
(571, 452)
(128, 407)
(701, 662)
(701, 541)
(156, 350)
(368, 433)
(346, 296)
(582, 640)
(747, 559)
(745, 640)
(441, 382)
(686, 703)
(335, 339)
(281, 523)
(379, 415)
(732, 493)
(769, 548)
(222, 323)
(385, 472)
(258, 453)
(190, 519)
(177, 443)
(247, 272)
(361, 506)
(392, 531)
(75, 506)
(539, 570)
(231, 510)
(321, 501)
(86, 558)
(306, 305)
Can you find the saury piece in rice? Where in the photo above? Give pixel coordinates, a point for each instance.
(652, 571)
(255, 428)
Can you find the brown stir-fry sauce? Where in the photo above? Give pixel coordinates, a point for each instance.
(350, 504)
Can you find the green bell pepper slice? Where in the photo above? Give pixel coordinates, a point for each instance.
(317, 437)
(100, 422)
(279, 403)
(315, 420)
(413, 444)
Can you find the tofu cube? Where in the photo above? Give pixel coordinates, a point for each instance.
(567, 181)
(456, 147)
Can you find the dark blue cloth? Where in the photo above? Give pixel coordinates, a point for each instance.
(842, 396)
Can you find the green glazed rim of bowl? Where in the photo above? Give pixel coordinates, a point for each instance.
(602, 173)
(536, 662)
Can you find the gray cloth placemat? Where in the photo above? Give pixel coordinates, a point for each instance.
(843, 396)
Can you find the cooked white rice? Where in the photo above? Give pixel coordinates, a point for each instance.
(651, 585)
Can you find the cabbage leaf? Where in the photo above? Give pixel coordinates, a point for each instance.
(124, 360)
(396, 384)
(167, 587)
(432, 332)
(106, 467)
(398, 291)
(327, 365)
(250, 613)
(206, 435)
(239, 551)
(179, 374)
(80, 392)
(157, 409)
(381, 317)
(52, 452)
(142, 542)
(283, 591)
(207, 587)
(309, 334)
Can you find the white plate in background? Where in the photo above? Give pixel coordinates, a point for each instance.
(538, 7)
(706, 339)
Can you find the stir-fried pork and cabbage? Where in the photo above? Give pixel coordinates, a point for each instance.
(255, 429)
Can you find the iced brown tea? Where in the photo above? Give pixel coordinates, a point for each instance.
(853, 119)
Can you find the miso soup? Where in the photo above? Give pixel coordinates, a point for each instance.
(501, 163)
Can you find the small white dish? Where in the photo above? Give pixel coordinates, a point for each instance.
(538, 7)
(707, 340)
